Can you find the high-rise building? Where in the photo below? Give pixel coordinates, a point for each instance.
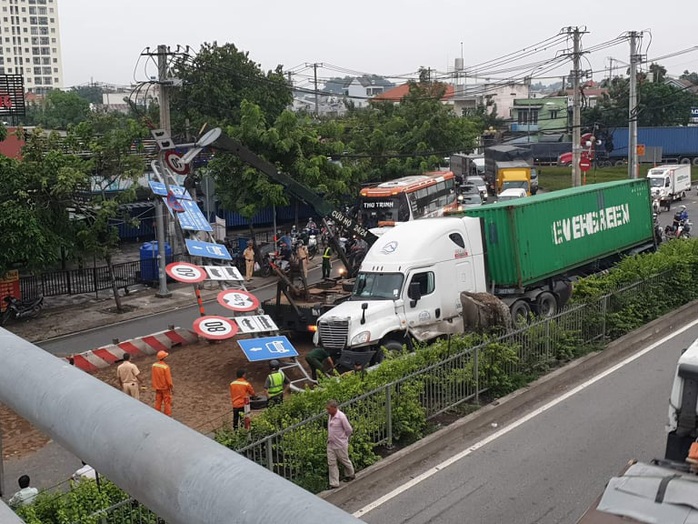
(30, 43)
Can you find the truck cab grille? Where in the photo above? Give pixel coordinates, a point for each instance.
(333, 333)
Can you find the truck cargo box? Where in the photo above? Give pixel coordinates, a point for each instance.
(530, 239)
(681, 142)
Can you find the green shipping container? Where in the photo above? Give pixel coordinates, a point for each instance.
(533, 238)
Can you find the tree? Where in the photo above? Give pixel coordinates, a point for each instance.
(388, 139)
(92, 93)
(295, 144)
(691, 77)
(657, 72)
(35, 195)
(58, 110)
(216, 82)
(109, 138)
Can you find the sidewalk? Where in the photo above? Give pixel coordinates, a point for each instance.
(68, 314)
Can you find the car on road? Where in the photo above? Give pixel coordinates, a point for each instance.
(479, 182)
(469, 200)
(511, 194)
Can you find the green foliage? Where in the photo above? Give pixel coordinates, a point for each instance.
(217, 81)
(83, 500)
(59, 110)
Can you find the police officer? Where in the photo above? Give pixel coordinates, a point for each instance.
(274, 385)
(326, 266)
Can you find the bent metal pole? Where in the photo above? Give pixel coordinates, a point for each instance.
(180, 474)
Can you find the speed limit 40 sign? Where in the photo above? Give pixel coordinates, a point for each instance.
(186, 272)
(215, 328)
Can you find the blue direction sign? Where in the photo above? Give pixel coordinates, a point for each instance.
(192, 218)
(267, 348)
(159, 189)
(197, 248)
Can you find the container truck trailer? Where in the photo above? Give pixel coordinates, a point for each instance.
(523, 251)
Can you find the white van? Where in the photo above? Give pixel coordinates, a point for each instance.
(511, 194)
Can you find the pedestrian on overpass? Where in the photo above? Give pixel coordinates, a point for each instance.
(338, 432)
(326, 266)
(240, 392)
(161, 377)
(274, 385)
(316, 359)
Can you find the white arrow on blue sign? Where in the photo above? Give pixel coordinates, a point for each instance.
(267, 348)
(197, 248)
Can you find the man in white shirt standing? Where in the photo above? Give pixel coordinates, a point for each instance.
(25, 495)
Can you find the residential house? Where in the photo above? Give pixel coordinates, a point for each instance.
(494, 96)
(361, 89)
(539, 115)
(399, 92)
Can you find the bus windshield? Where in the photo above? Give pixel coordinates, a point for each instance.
(373, 210)
(377, 286)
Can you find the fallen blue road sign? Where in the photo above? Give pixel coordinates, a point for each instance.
(197, 248)
(159, 189)
(267, 348)
(192, 218)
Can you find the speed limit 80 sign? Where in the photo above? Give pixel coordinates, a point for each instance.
(186, 272)
(215, 328)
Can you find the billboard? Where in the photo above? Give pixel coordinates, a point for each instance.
(12, 96)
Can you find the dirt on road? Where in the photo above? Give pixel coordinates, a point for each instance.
(201, 374)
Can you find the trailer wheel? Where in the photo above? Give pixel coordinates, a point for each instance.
(695, 161)
(520, 311)
(606, 163)
(685, 161)
(619, 163)
(546, 304)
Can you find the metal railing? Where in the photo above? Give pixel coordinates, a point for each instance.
(460, 378)
(90, 279)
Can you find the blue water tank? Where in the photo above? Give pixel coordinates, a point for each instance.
(149, 260)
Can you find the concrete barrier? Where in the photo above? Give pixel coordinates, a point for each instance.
(105, 356)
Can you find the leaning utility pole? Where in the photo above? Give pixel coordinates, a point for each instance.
(576, 105)
(317, 99)
(633, 165)
(164, 95)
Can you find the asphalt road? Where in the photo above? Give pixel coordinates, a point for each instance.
(550, 468)
(184, 317)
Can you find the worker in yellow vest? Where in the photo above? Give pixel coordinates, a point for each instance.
(326, 266)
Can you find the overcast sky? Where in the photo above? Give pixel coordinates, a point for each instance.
(102, 40)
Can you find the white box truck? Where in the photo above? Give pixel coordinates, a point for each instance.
(669, 182)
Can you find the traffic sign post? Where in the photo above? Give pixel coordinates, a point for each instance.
(238, 300)
(223, 273)
(256, 324)
(186, 272)
(215, 328)
(198, 248)
(584, 164)
(267, 348)
(174, 162)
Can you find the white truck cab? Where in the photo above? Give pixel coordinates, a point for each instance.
(682, 427)
(409, 285)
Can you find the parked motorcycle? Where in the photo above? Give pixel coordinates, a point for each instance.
(18, 309)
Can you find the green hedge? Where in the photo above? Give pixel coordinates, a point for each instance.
(668, 282)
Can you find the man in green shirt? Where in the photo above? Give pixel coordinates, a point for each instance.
(316, 359)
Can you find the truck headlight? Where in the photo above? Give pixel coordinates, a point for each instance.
(361, 338)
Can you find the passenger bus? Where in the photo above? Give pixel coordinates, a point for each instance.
(408, 198)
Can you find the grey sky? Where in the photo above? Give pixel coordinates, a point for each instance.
(101, 40)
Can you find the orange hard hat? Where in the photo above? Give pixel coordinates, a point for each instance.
(162, 354)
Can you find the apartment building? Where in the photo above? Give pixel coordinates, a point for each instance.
(30, 43)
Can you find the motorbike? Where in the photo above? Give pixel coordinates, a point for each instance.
(658, 231)
(18, 309)
(680, 229)
(656, 205)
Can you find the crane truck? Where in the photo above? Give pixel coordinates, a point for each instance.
(296, 308)
(524, 251)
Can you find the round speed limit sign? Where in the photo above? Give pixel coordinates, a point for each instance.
(185, 272)
(215, 328)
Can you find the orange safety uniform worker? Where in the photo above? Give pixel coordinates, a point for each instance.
(162, 383)
(240, 392)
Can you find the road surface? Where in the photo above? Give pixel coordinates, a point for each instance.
(550, 468)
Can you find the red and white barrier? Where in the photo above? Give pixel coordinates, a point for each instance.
(105, 356)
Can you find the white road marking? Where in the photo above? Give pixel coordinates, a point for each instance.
(533, 414)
